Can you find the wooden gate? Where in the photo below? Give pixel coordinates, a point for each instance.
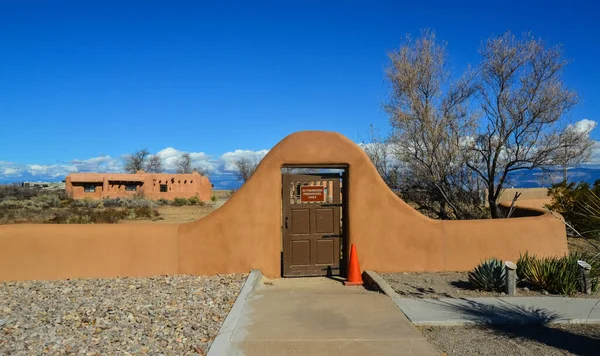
(312, 233)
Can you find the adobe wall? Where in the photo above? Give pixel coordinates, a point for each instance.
(245, 233)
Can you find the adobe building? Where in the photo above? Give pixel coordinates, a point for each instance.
(151, 185)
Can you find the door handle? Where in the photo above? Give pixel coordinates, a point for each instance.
(286, 224)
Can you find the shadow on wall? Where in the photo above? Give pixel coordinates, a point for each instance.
(245, 233)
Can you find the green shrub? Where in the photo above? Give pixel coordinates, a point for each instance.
(488, 275)
(558, 275)
(138, 203)
(213, 198)
(86, 203)
(47, 200)
(163, 201)
(180, 201)
(111, 202)
(144, 213)
(195, 201)
(16, 192)
(85, 216)
(579, 204)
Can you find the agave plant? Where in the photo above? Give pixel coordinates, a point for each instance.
(558, 275)
(524, 264)
(488, 275)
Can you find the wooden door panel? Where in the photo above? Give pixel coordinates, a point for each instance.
(301, 253)
(300, 221)
(325, 252)
(325, 220)
(311, 230)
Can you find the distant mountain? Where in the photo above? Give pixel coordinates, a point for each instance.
(523, 179)
(536, 178)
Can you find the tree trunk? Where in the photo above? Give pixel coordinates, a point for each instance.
(494, 209)
(492, 197)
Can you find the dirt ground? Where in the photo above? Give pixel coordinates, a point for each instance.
(449, 285)
(577, 244)
(515, 340)
(177, 214)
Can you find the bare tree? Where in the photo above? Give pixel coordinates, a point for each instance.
(245, 168)
(380, 151)
(431, 126)
(184, 163)
(575, 147)
(136, 161)
(523, 100)
(142, 160)
(154, 164)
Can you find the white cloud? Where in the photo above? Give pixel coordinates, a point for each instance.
(98, 164)
(220, 169)
(9, 171)
(52, 170)
(170, 155)
(228, 159)
(584, 125)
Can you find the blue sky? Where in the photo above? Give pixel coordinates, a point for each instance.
(82, 83)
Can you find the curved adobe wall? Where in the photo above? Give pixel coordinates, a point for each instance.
(389, 234)
(245, 233)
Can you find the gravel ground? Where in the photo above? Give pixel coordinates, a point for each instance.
(451, 285)
(515, 340)
(170, 315)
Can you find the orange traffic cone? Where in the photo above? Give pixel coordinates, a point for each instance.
(354, 277)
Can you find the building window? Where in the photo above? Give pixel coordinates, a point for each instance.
(131, 187)
(163, 188)
(89, 188)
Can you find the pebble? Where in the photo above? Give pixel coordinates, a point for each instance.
(156, 315)
(526, 289)
(544, 292)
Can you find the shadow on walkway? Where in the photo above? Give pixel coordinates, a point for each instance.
(526, 323)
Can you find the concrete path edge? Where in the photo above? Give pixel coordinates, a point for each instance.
(221, 341)
(374, 280)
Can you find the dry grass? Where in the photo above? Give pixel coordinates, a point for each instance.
(177, 214)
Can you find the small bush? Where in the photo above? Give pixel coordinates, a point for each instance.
(180, 202)
(47, 201)
(83, 216)
(86, 203)
(488, 275)
(163, 202)
(128, 203)
(213, 198)
(137, 203)
(111, 202)
(14, 191)
(12, 204)
(144, 213)
(195, 201)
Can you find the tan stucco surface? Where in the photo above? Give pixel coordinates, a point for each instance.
(245, 233)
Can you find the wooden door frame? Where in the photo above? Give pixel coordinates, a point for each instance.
(345, 224)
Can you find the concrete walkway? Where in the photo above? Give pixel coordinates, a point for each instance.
(451, 311)
(319, 316)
